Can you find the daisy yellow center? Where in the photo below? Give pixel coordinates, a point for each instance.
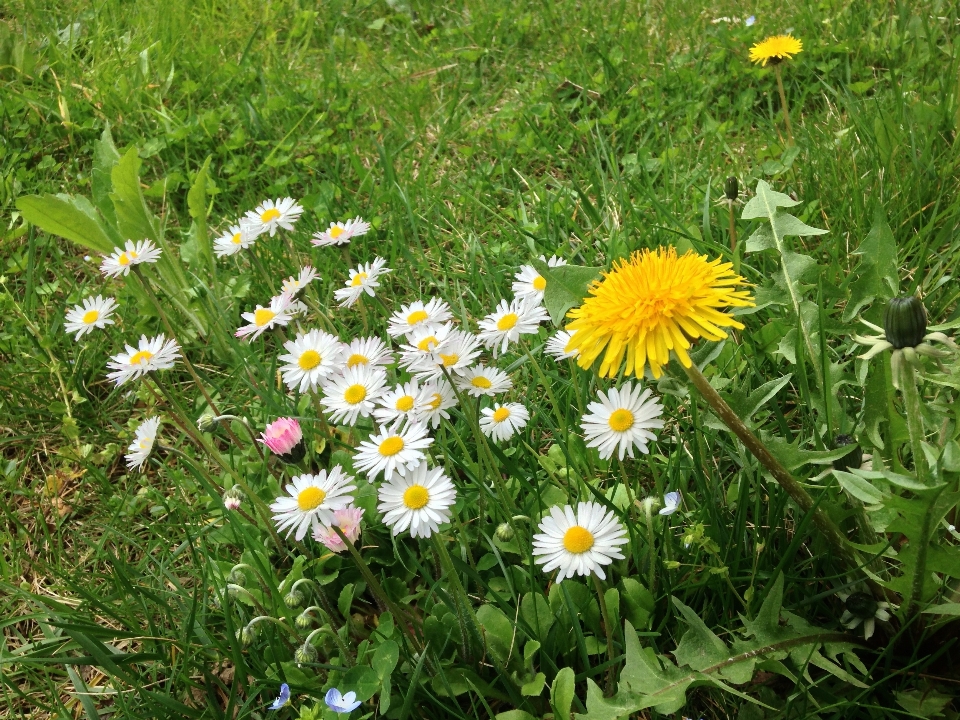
(355, 394)
(417, 316)
(449, 360)
(310, 498)
(127, 257)
(146, 443)
(309, 360)
(141, 358)
(357, 359)
(268, 215)
(358, 279)
(775, 49)
(336, 231)
(427, 344)
(262, 316)
(391, 446)
(652, 304)
(415, 497)
(236, 239)
(501, 414)
(91, 316)
(507, 322)
(435, 401)
(620, 420)
(481, 382)
(539, 283)
(578, 539)
(404, 404)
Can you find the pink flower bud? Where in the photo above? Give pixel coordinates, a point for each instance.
(232, 503)
(282, 436)
(348, 520)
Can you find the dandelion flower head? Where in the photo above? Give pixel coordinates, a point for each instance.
(775, 49)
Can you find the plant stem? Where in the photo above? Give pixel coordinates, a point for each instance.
(783, 103)
(733, 238)
(607, 628)
(469, 625)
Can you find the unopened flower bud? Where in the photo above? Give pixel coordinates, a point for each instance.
(233, 497)
(504, 532)
(905, 322)
(206, 422)
(862, 605)
(671, 564)
(246, 636)
(303, 620)
(285, 439)
(852, 459)
(731, 188)
(306, 653)
(293, 599)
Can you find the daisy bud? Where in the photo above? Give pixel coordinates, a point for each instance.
(206, 422)
(285, 439)
(671, 564)
(306, 653)
(504, 532)
(905, 322)
(303, 620)
(731, 188)
(853, 459)
(236, 577)
(246, 636)
(293, 599)
(233, 497)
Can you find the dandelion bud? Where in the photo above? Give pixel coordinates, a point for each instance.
(206, 422)
(905, 322)
(246, 636)
(293, 599)
(852, 459)
(285, 439)
(731, 188)
(504, 532)
(303, 620)
(306, 653)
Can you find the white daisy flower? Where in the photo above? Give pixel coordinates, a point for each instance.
(151, 354)
(403, 403)
(421, 344)
(237, 237)
(440, 398)
(309, 358)
(501, 422)
(455, 353)
(621, 420)
(860, 607)
(418, 315)
(295, 283)
(279, 312)
(270, 215)
(122, 259)
(369, 351)
(93, 313)
(352, 393)
(482, 380)
(392, 450)
(530, 284)
(340, 233)
(311, 500)
(578, 543)
(419, 500)
(139, 449)
(362, 280)
(557, 346)
(508, 322)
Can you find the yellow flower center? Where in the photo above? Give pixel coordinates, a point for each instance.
(336, 231)
(539, 283)
(236, 239)
(507, 322)
(435, 401)
(262, 316)
(141, 358)
(417, 316)
(578, 539)
(405, 404)
(91, 316)
(310, 498)
(501, 414)
(146, 443)
(620, 420)
(481, 382)
(358, 279)
(449, 360)
(355, 394)
(391, 446)
(416, 496)
(127, 257)
(268, 215)
(309, 360)
(357, 359)
(427, 344)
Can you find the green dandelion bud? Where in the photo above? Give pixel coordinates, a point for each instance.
(731, 189)
(852, 459)
(905, 322)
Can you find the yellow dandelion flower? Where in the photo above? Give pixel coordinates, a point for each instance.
(651, 304)
(775, 49)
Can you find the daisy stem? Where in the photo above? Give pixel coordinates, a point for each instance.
(546, 385)
(783, 103)
(345, 254)
(324, 427)
(347, 659)
(255, 259)
(651, 542)
(470, 630)
(363, 314)
(607, 628)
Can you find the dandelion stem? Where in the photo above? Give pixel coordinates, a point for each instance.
(607, 628)
(783, 103)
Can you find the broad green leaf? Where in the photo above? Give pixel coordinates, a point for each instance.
(567, 287)
(105, 158)
(515, 714)
(73, 218)
(361, 679)
(793, 457)
(700, 648)
(535, 686)
(133, 218)
(923, 703)
(760, 397)
(197, 206)
(859, 487)
(385, 658)
(561, 693)
(498, 632)
(762, 239)
(877, 274)
(637, 601)
(944, 609)
(536, 614)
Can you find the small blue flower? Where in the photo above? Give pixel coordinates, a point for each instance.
(341, 703)
(671, 501)
(750, 20)
(283, 699)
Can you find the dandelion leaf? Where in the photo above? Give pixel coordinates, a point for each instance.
(877, 275)
(700, 648)
(566, 287)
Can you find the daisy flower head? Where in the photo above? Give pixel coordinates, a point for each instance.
(310, 357)
(421, 345)
(341, 233)
(237, 237)
(402, 404)
(621, 420)
(366, 351)
(311, 500)
(509, 321)
(351, 394)
(482, 380)
(455, 353)
(529, 284)
(362, 280)
(392, 450)
(285, 439)
(295, 283)
(348, 520)
(557, 346)
(94, 312)
(270, 215)
(418, 315)
(860, 607)
(150, 354)
(122, 259)
(578, 543)
(139, 449)
(279, 312)
(775, 49)
(418, 501)
(441, 398)
(654, 303)
(501, 422)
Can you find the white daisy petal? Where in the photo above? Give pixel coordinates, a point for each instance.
(501, 422)
(151, 354)
(483, 380)
(351, 393)
(418, 315)
(279, 312)
(622, 420)
(295, 283)
(419, 499)
(139, 449)
(578, 543)
(122, 259)
(529, 284)
(315, 497)
(340, 233)
(92, 313)
(362, 280)
(509, 321)
(392, 450)
(273, 214)
(237, 238)
(557, 346)
(310, 358)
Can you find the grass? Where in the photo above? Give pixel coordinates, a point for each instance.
(474, 137)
